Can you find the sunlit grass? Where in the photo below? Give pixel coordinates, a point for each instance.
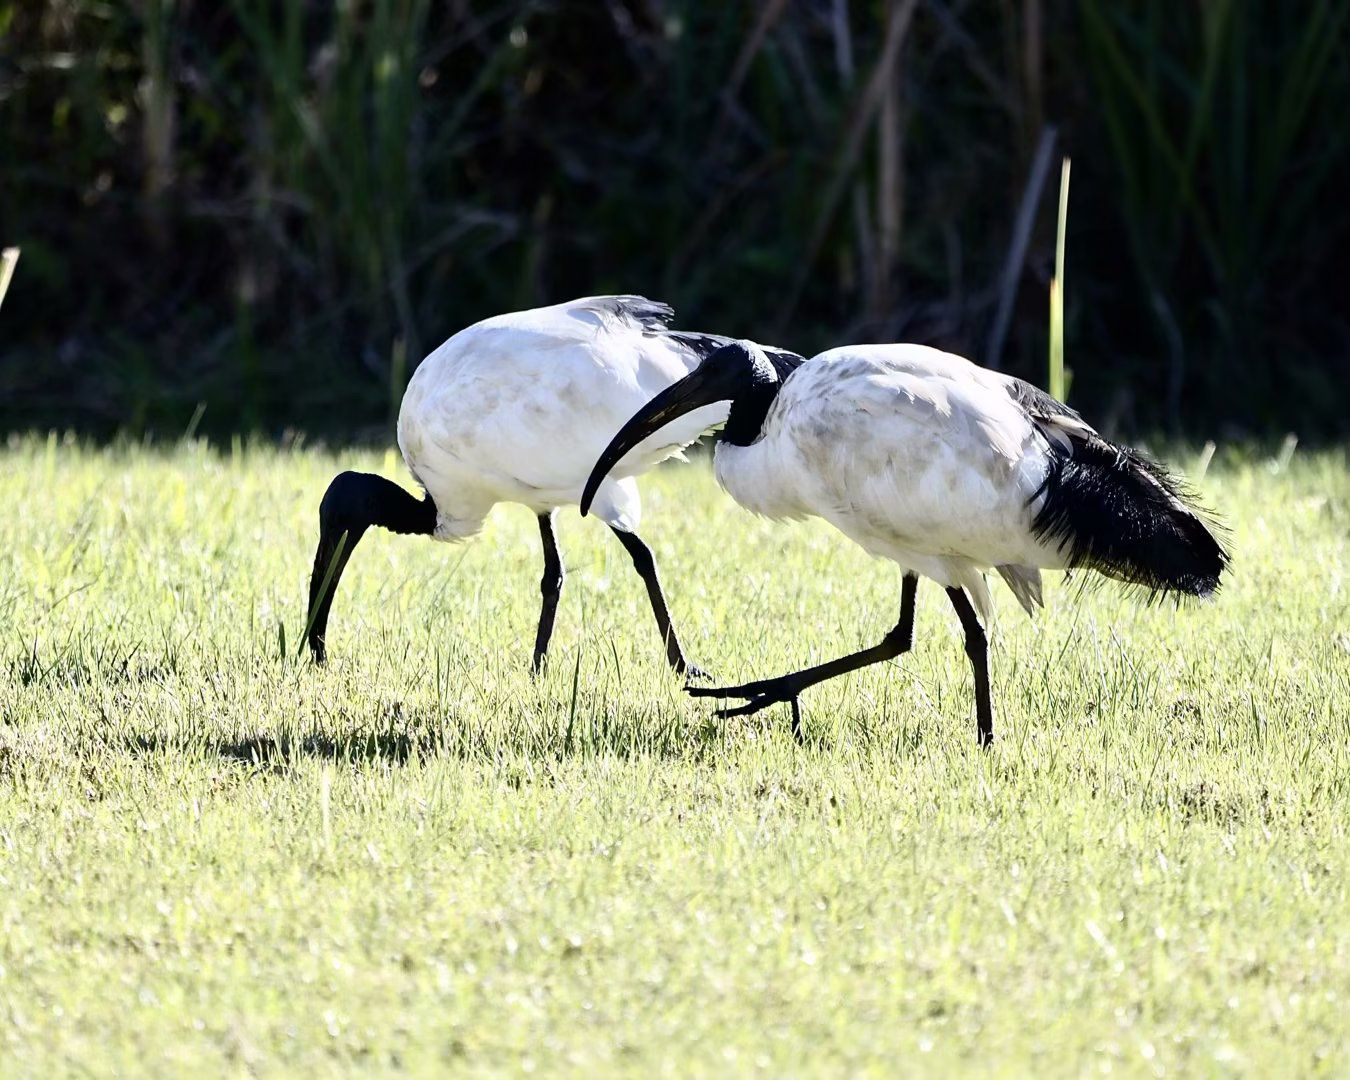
(1058, 378)
(9, 258)
(215, 856)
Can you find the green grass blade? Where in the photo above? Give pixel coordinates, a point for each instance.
(9, 259)
(1058, 386)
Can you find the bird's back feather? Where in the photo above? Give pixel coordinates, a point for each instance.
(517, 407)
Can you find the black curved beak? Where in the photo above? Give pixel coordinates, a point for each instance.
(335, 548)
(707, 384)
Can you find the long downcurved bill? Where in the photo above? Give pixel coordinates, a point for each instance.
(703, 386)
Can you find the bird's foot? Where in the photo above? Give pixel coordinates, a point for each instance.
(692, 673)
(763, 701)
(754, 689)
(759, 695)
(678, 664)
(754, 705)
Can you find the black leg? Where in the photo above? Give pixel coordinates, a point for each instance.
(550, 588)
(765, 692)
(977, 649)
(646, 568)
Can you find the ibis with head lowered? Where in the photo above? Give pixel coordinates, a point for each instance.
(943, 467)
(516, 408)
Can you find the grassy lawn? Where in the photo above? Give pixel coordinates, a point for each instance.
(214, 856)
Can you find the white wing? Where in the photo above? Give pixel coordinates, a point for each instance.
(519, 407)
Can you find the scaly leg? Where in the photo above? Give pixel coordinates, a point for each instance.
(765, 692)
(645, 565)
(977, 648)
(550, 588)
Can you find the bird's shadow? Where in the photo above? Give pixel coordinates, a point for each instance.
(430, 738)
(353, 746)
(274, 752)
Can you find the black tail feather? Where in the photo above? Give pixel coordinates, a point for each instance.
(1108, 508)
(652, 315)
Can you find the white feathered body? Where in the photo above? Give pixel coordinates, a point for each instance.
(517, 408)
(917, 455)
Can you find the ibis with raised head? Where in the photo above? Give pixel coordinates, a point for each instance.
(516, 408)
(943, 467)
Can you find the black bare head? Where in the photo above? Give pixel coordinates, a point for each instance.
(354, 502)
(746, 374)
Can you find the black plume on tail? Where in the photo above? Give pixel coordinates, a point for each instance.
(1108, 508)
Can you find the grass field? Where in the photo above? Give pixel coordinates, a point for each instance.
(215, 855)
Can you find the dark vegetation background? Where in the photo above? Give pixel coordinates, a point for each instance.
(275, 207)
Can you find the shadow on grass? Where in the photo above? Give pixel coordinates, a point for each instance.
(274, 751)
(620, 738)
(392, 747)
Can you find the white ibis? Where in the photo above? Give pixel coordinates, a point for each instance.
(516, 408)
(943, 467)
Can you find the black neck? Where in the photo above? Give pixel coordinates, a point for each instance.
(355, 501)
(751, 404)
(748, 409)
